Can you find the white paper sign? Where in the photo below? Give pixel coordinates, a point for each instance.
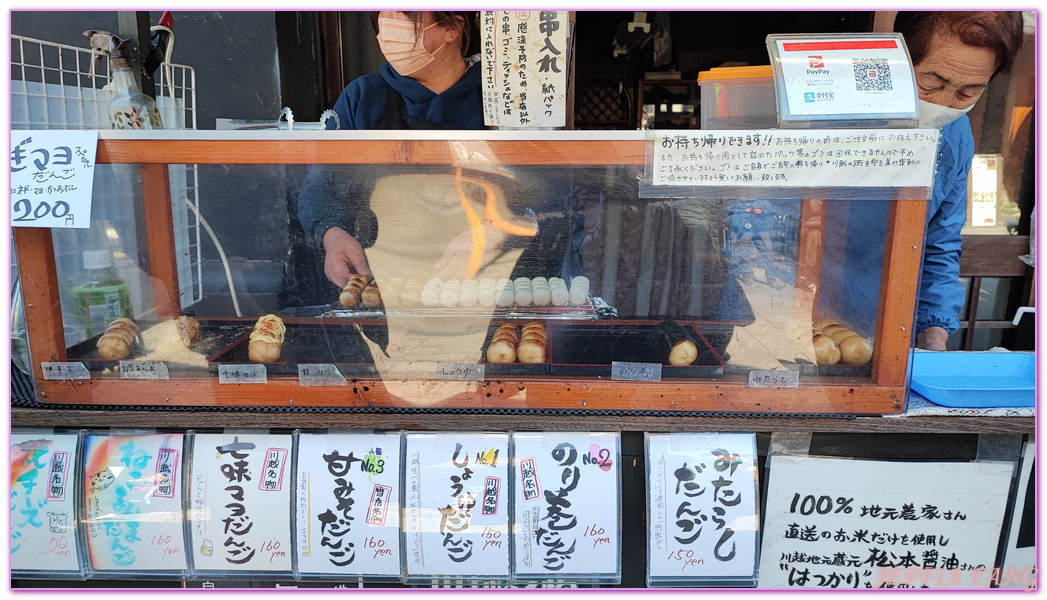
(240, 502)
(843, 523)
(133, 499)
(841, 76)
(702, 505)
(456, 505)
(43, 510)
(347, 508)
(524, 62)
(795, 158)
(568, 521)
(52, 178)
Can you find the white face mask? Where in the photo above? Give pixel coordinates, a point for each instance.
(936, 116)
(403, 47)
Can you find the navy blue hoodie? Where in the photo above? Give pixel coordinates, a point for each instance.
(458, 107)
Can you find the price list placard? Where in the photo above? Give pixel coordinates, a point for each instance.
(347, 505)
(43, 511)
(240, 502)
(835, 523)
(568, 506)
(702, 501)
(133, 503)
(456, 505)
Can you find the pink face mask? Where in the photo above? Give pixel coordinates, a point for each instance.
(403, 47)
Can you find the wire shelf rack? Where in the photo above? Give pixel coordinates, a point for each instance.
(56, 86)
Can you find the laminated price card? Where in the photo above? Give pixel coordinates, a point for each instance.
(43, 513)
(456, 506)
(133, 504)
(240, 503)
(567, 506)
(347, 505)
(837, 523)
(702, 504)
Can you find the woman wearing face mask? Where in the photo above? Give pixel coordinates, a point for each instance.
(429, 82)
(955, 54)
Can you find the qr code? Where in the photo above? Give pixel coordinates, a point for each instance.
(871, 74)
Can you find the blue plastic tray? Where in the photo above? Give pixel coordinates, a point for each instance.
(975, 379)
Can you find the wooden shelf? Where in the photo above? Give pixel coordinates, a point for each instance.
(202, 419)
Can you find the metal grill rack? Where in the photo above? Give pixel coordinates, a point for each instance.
(55, 86)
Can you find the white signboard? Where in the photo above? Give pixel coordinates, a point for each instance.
(845, 524)
(52, 178)
(524, 62)
(240, 502)
(133, 500)
(847, 76)
(793, 158)
(456, 505)
(347, 508)
(43, 511)
(568, 500)
(702, 505)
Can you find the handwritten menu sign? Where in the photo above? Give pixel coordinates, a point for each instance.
(347, 505)
(456, 505)
(43, 511)
(702, 501)
(460, 371)
(774, 379)
(52, 177)
(133, 502)
(239, 495)
(568, 500)
(61, 371)
(633, 371)
(781, 158)
(524, 66)
(844, 523)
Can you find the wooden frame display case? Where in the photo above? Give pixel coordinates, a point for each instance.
(882, 391)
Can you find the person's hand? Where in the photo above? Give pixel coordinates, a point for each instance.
(458, 262)
(343, 256)
(932, 338)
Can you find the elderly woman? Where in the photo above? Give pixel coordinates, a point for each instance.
(955, 55)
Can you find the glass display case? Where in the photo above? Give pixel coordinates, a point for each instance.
(507, 270)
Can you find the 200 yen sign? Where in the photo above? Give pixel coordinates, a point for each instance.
(41, 210)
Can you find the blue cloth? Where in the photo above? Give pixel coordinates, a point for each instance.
(940, 298)
(941, 293)
(459, 107)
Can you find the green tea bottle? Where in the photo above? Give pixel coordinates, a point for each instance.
(101, 297)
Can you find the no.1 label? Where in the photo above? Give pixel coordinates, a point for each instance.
(59, 371)
(459, 371)
(143, 369)
(242, 374)
(631, 371)
(320, 375)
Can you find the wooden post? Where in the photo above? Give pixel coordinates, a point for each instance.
(159, 224)
(43, 308)
(902, 254)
